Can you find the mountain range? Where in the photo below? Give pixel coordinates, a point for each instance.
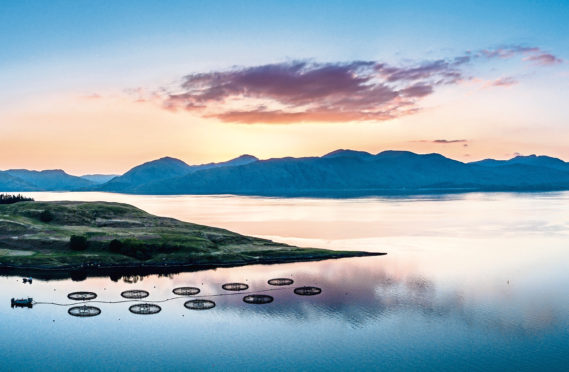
(47, 180)
(339, 173)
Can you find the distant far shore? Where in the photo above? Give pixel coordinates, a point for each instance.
(341, 173)
(331, 194)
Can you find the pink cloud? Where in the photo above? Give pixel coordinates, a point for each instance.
(502, 82)
(302, 91)
(446, 141)
(543, 59)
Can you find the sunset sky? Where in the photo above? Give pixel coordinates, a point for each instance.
(101, 86)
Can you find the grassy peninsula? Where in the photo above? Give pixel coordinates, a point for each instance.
(67, 235)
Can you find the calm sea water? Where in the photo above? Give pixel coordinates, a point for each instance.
(473, 281)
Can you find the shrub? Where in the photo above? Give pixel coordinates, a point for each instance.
(46, 216)
(139, 249)
(78, 243)
(135, 248)
(142, 254)
(115, 246)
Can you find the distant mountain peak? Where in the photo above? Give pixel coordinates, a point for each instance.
(48, 180)
(167, 159)
(46, 171)
(395, 153)
(348, 152)
(54, 171)
(240, 160)
(534, 157)
(165, 168)
(246, 157)
(527, 160)
(162, 168)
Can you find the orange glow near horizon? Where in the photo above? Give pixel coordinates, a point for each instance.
(111, 134)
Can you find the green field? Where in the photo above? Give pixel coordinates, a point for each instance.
(37, 235)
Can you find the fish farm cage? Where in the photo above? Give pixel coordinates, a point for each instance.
(82, 296)
(280, 281)
(186, 291)
(307, 291)
(151, 307)
(84, 311)
(145, 309)
(199, 304)
(135, 294)
(235, 286)
(258, 299)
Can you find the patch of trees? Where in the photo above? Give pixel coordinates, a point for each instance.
(78, 243)
(138, 249)
(11, 199)
(134, 248)
(46, 216)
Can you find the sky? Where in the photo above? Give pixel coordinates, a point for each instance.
(101, 86)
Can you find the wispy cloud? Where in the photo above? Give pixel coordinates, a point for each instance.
(444, 141)
(92, 96)
(509, 51)
(303, 91)
(531, 54)
(543, 59)
(502, 82)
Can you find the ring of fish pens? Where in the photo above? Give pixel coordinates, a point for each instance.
(195, 304)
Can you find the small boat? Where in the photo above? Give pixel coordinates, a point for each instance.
(27, 280)
(22, 302)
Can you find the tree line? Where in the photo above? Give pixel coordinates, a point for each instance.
(11, 199)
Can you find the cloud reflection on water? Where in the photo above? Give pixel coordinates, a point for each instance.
(358, 292)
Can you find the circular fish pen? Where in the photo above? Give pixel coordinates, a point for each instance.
(84, 311)
(186, 291)
(258, 299)
(82, 296)
(199, 304)
(280, 281)
(235, 286)
(145, 309)
(135, 294)
(307, 291)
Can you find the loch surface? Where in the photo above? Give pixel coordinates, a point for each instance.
(471, 281)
